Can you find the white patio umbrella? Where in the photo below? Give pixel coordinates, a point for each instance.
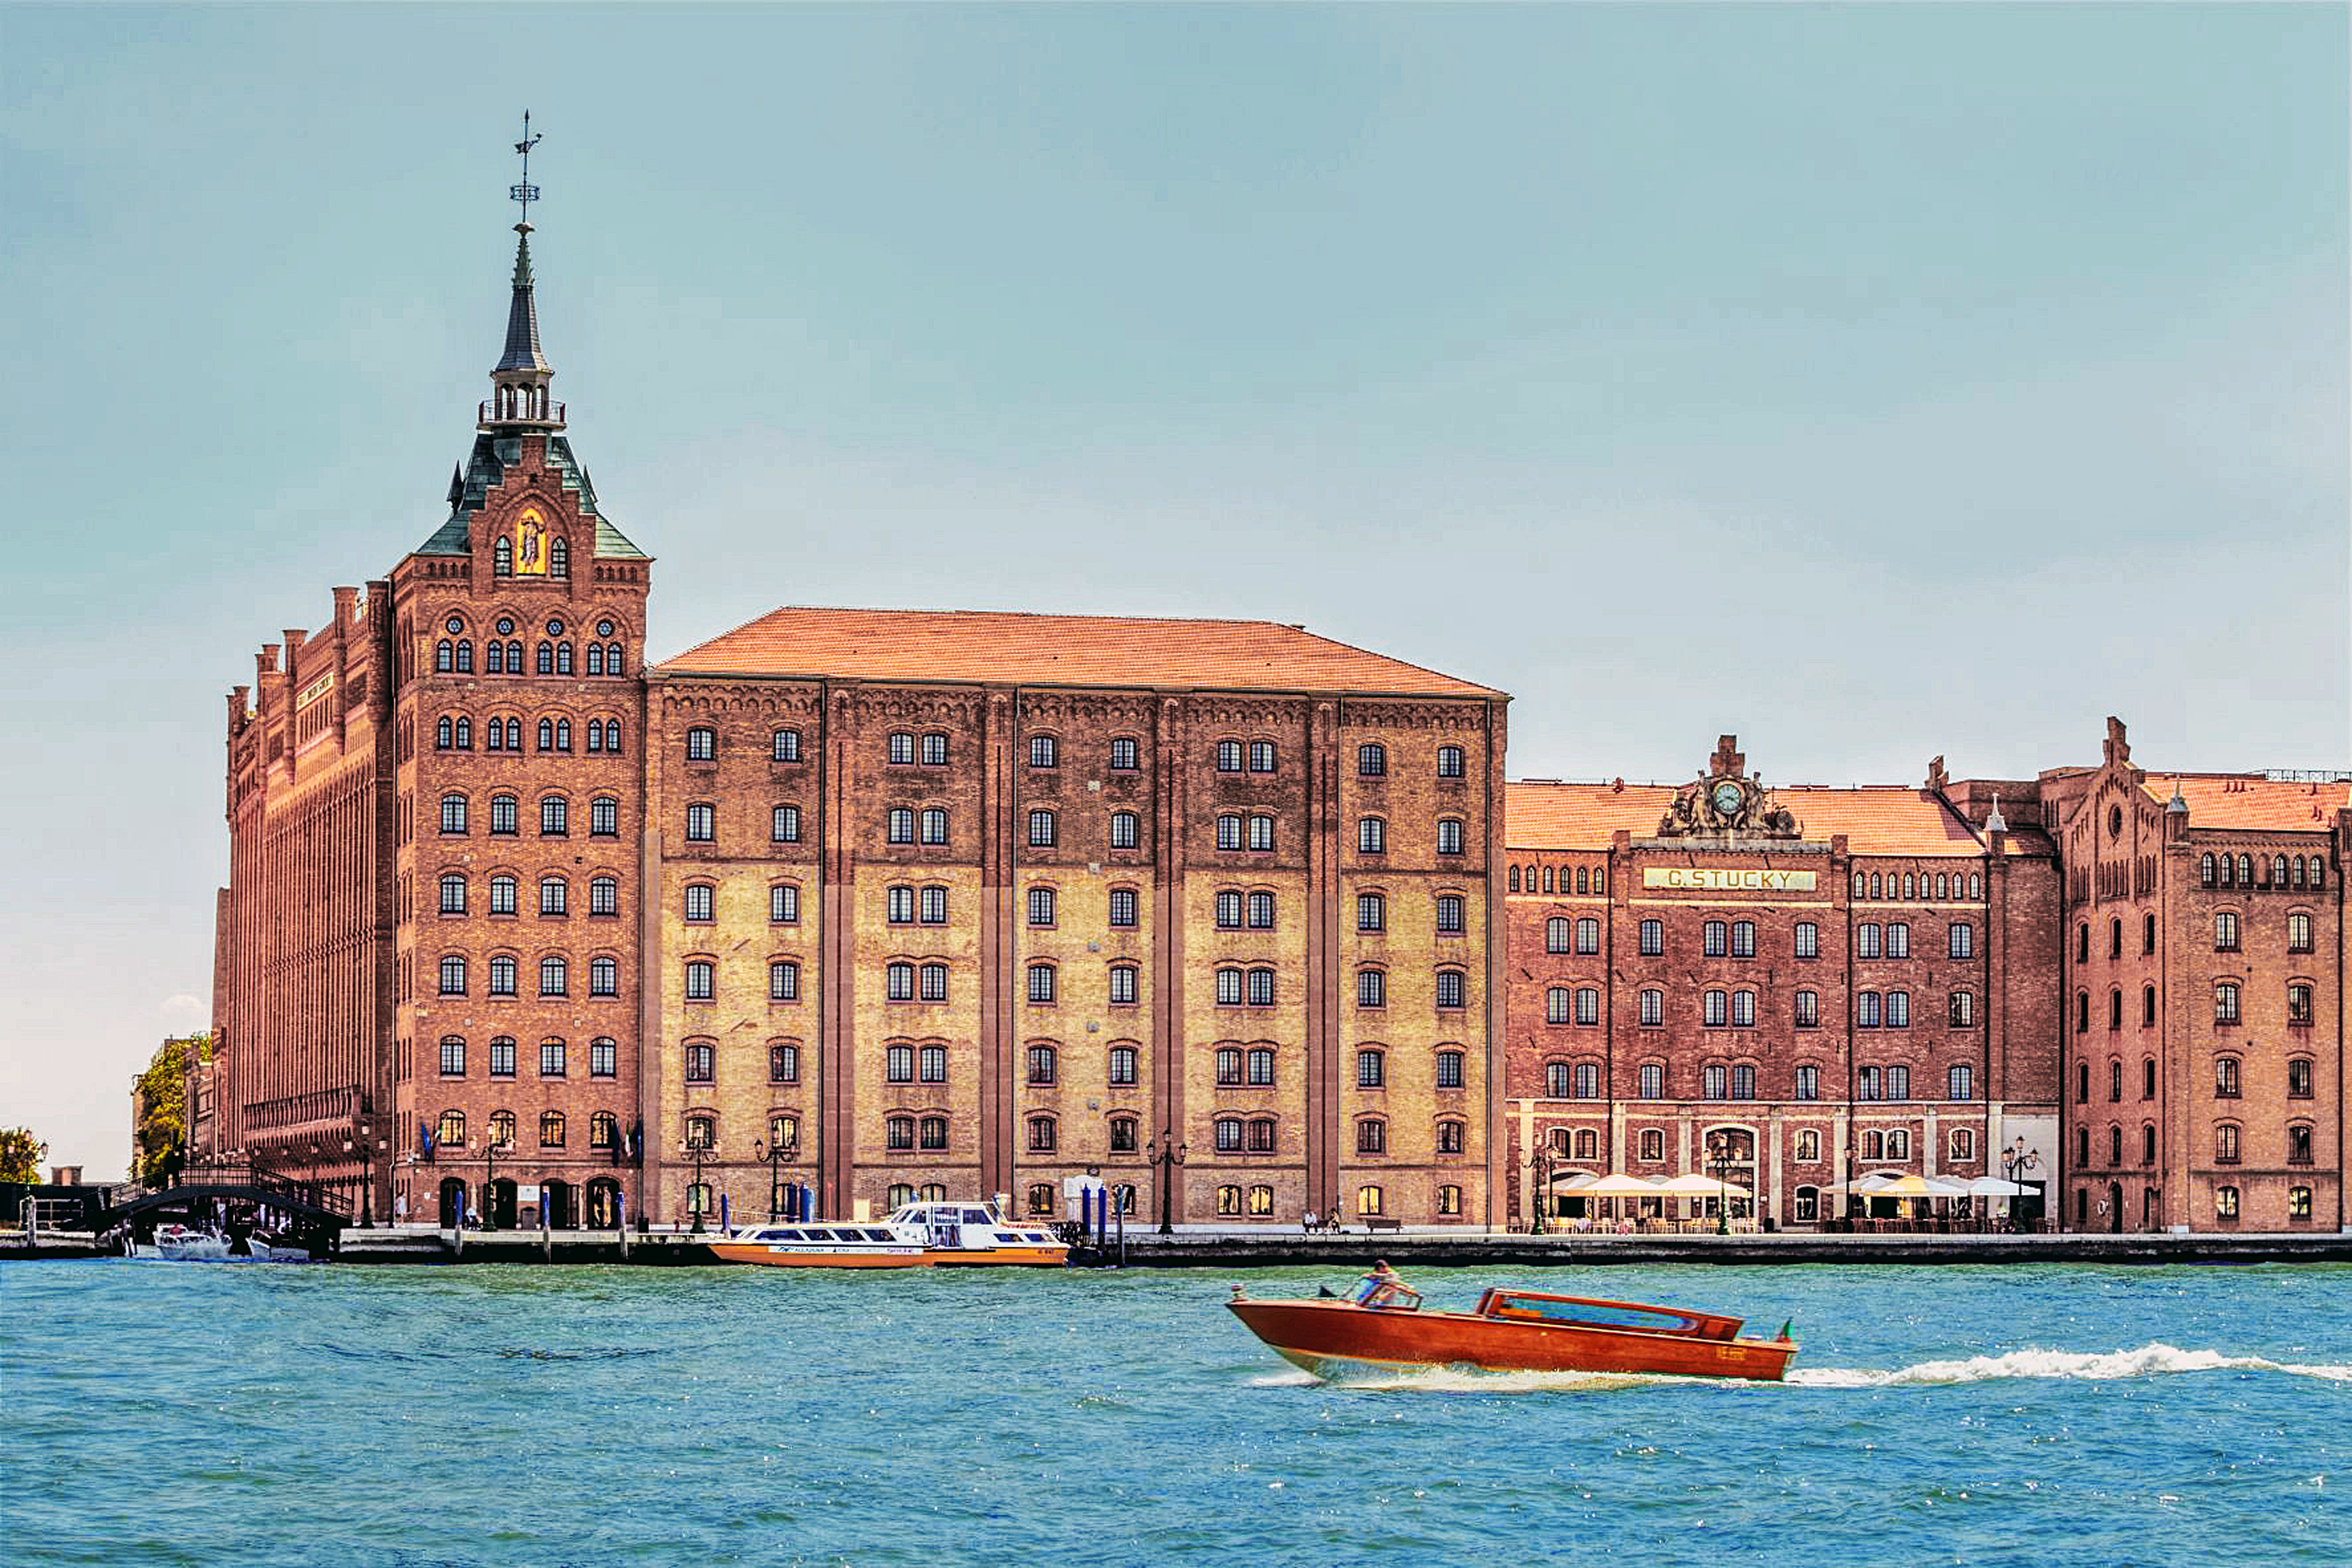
(1994, 1187)
(1693, 1185)
(1571, 1181)
(1873, 1183)
(1910, 1185)
(1616, 1185)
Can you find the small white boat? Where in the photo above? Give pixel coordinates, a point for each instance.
(807, 1245)
(966, 1235)
(190, 1244)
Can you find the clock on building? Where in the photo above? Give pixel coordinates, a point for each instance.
(1726, 798)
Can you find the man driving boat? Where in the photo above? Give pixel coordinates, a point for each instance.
(1382, 1288)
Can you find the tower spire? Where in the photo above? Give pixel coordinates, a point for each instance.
(518, 396)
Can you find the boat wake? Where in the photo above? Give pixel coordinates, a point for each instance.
(2148, 1360)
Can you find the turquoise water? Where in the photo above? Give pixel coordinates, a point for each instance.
(171, 1414)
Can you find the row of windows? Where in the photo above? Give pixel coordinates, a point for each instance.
(1891, 1144)
(2226, 1203)
(449, 1131)
(905, 748)
(455, 655)
(554, 976)
(1736, 939)
(554, 815)
(554, 894)
(1580, 1006)
(454, 733)
(2227, 1006)
(1592, 880)
(907, 981)
(2285, 870)
(1371, 835)
(604, 1056)
(2229, 1138)
(1919, 885)
(1257, 1202)
(1736, 1080)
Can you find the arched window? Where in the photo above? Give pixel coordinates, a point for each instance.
(451, 1131)
(453, 814)
(559, 557)
(1371, 760)
(550, 1130)
(453, 894)
(1369, 1200)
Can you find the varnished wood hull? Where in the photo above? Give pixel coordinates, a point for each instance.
(1339, 1339)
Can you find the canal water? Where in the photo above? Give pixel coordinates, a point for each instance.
(195, 1413)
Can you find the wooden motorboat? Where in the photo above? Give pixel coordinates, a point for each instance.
(814, 1246)
(1381, 1328)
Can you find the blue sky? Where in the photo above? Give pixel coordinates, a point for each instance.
(1874, 381)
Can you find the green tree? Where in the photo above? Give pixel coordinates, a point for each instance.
(20, 1154)
(163, 1131)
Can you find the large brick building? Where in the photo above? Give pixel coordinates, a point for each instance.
(881, 904)
(1813, 984)
(2205, 956)
(875, 902)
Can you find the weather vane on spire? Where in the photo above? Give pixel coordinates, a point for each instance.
(525, 192)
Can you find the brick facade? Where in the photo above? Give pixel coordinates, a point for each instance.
(919, 901)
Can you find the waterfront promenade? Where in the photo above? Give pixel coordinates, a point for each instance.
(1202, 1247)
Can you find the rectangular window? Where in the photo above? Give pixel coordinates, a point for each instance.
(1229, 912)
(1041, 982)
(1809, 940)
(699, 902)
(551, 1058)
(604, 1060)
(935, 750)
(702, 824)
(1963, 941)
(1261, 911)
(1261, 833)
(1865, 941)
(1041, 906)
(785, 825)
(1229, 987)
(1743, 939)
(453, 1058)
(1898, 940)
(934, 902)
(1260, 987)
(1654, 1009)
(1122, 907)
(785, 746)
(1261, 756)
(1122, 982)
(1808, 1010)
(1449, 914)
(1124, 829)
(1653, 937)
(784, 905)
(502, 1057)
(1808, 1083)
(935, 826)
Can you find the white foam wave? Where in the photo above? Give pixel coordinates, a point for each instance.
(2148, 1360)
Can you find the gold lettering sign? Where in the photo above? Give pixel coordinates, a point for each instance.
(530, 546)
(316, 689)
(1728, 879)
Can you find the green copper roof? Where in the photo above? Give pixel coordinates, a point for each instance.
(487, 465)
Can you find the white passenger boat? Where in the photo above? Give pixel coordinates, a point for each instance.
(917, 1236)
(808, 1245)
(190, 1244)
(967, 1236)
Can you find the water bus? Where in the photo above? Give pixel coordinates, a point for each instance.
(916, 1236)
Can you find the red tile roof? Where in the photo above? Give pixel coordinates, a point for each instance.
(968, 645)
(1890, 819)
(2252, 801)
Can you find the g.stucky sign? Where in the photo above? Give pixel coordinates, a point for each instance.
(1728, 879)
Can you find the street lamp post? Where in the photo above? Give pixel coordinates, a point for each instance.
(1162, 1156)
(2014, 1161)
(491, 1152)
(777, 1156)
(1718, 1149)
(1541, 1164)
(698, 1153)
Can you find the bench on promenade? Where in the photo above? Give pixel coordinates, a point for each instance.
(1376, 1222)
